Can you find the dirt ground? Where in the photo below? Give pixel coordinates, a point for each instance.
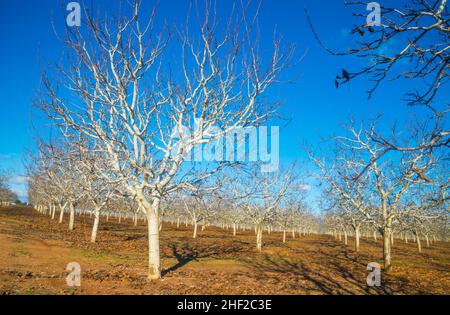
(35, 250)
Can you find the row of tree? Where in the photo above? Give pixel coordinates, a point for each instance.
(125, 106)
(69, 178)
(120, 110)
(404, 192)
(7, 196)
(394, 182)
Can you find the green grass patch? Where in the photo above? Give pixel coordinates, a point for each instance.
(108, 257)
(20, 251)
(29, 291)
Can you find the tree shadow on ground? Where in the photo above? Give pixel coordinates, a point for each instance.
(331, 268)
(390, 283)
(315, 277)
(186, 253)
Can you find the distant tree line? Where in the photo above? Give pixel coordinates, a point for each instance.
(6, 194)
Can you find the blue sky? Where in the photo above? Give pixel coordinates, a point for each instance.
(316, 107)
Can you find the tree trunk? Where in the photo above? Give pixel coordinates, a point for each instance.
(293, 233)
(234, 229)
(72, 216)
(178, 223)
(61, 212)
(154, 266)
(375, 236)
(259, 232)
(345, 237)
(284, 236)
(387, 249)
(419, 245)
(195, 229)
(357, 239)
(204, 225)
(428, 240)
(95, 226)
(53, 211)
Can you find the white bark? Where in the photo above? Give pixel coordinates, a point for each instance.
(72, 216)
(154, 264)
(95, 225)
(259, 232)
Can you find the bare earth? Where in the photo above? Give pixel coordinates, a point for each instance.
(35, 250)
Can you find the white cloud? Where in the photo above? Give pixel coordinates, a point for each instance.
(304, 187)
(18, 180)
(7, 156)
(21, 192)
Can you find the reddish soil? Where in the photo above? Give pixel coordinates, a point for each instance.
(35, 250)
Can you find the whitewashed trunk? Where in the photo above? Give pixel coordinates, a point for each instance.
(154, 265)
(259, 232)
(95, 225)
(419, 244)
(357, 239)
(72, 216)
(53, 212)
(195, 229)
(61, 212)
(387, 249)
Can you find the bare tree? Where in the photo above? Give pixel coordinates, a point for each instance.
(261, 195)
(6, 194)
(57, 164)
(381, 195)
(293, 215)
(137, 114)
(420, 30)
(97, 186)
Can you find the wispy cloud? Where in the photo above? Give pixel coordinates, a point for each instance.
(19, 185)
(21, 192)
(18, 180)
(304, 187)
(7, 155)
